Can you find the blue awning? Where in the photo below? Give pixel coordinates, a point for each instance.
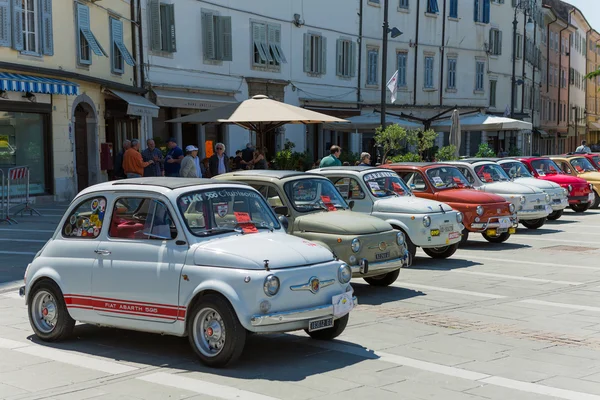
(36, 84)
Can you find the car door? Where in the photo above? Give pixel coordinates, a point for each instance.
(141, 256)
(73, 253)
(418, 184)
(351, 190)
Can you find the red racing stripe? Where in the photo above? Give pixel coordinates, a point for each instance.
(126, 307)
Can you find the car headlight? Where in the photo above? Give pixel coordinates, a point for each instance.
(523, 199)
(479, 210)
(271, 285)
(400, 239)
(344, 274)
(459, 217)
(511, 208)
(570, 188)
(565, 192)
(547, 198)
(355, 245)
(426, 221)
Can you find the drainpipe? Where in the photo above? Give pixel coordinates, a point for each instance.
(142, 75)
(359, 72)
(524, 62)
(443, 48)
(566, 78)
(569, 85)
(533, 94)
(416, 53)
(548, 52)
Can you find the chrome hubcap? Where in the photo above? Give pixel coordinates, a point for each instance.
(209, 332)
(45, 311)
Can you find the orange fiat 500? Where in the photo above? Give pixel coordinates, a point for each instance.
(485, 213)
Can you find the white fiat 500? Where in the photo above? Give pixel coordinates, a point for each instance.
(429, 224)
(193, 257)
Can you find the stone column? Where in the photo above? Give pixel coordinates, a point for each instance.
(177, 130)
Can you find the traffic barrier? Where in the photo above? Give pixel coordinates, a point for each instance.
(4, 217)
(18, 191)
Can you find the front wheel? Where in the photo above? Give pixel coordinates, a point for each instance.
(503, 237)
(579, 208)
(330, 333)
(534, 223)
(214, 332)
(441, 252)
(48, 313)
(383, 280)
(555, 215)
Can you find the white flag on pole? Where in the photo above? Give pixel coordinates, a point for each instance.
(392, 85)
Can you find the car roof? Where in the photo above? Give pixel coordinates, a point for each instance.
(354, 168)
(169, 183)
(474, 160)
(268, 173)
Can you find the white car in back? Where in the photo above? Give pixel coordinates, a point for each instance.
(186, 257)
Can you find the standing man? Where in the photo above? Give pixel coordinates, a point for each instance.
(219, 163)
(333, 159)
(583, 148)
(154, 154)
(119, 173)
(133, 164)
(188, 164)
(247, 156)
(173, 159)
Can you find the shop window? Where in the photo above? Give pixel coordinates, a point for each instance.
(85, 222)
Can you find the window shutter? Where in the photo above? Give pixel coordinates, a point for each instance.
(5, 23)
(271, 30)
(307, 52)
(47, 31)
(154, 24)
(256, 41)
(225, 35)
(339, 51)
(262, 30)
(117, 37)
(278, 44)
(323, 67)
(491, 45)
(208, 36)
(486, 11)
(476, 15)
(499, 42)
(17, 25)
(83, 22)
(170, 11)
(353, 59)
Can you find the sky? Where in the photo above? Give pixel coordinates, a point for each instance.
(589, 8)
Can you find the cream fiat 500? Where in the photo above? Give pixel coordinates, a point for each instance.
(193, 257)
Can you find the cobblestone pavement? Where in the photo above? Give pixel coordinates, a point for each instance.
(514, 321)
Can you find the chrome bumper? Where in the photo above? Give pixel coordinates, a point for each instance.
(534, 214)
(305, 314)
(564, 203)
(493, 223)
(365, 267)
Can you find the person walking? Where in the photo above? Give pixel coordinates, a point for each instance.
(188, 165)
(133, 164)
(333, 159)
(119, 173)
(365, 159)
(583, 148)
(154, 154)
(219, 162)
(173, 158)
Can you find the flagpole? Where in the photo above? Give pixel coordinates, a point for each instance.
(384, 61)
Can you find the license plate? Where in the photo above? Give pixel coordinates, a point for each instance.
(539, 207)
(505, 223)
(453, 235)
(446, 228)
(382, 256)
(434, 232)
(558, 201)
(512, 230)
(321, 323)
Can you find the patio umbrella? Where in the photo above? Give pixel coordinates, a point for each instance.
(260, 114)
(370, 121)
(455, 134)
(483, 122)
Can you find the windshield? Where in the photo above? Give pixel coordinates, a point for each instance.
(491, 173)
(546, 167)
(516, 169)
(596, 160)
(385, 184)
(447, 178)
(214, 211)
(310, 194)
(582, 164)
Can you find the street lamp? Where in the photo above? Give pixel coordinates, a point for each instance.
(395, 33)
(527, 7)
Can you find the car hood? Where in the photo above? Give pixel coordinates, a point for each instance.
(470, 196)
(562, 179)
(538, 183)
(590, 176)
(249, 251)
(509, 188)
(409, 204)
(340, 223)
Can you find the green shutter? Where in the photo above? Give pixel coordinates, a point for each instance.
(208, 36)
(47, 30)
(256, 40)
(272, 40)
(5, 23)
(339, 57)
(154, 24)
(323, 69)
(262, 31)
(226, 53)
(307, 52)
(499, 42)
(171, 37)
(278, 44)
(17, 25)
(353, 59)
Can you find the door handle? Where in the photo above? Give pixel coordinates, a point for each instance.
(102, 252)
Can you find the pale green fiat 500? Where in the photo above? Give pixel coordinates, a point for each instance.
(313, 209)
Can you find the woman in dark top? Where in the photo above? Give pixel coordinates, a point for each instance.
(259, 160)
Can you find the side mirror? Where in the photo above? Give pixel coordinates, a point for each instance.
(281, 210)
(284, 222)
(351, 204)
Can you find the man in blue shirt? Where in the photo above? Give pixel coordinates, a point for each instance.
(173, 158)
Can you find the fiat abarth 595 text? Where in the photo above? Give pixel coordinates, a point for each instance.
(532, 204)
(429, 224)
(485, 213)
(317, 212)
(193, 257)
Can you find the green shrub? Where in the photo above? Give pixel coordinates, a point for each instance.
(485, 151)
(446, 153)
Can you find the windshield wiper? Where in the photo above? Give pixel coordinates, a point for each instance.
(219, 229)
